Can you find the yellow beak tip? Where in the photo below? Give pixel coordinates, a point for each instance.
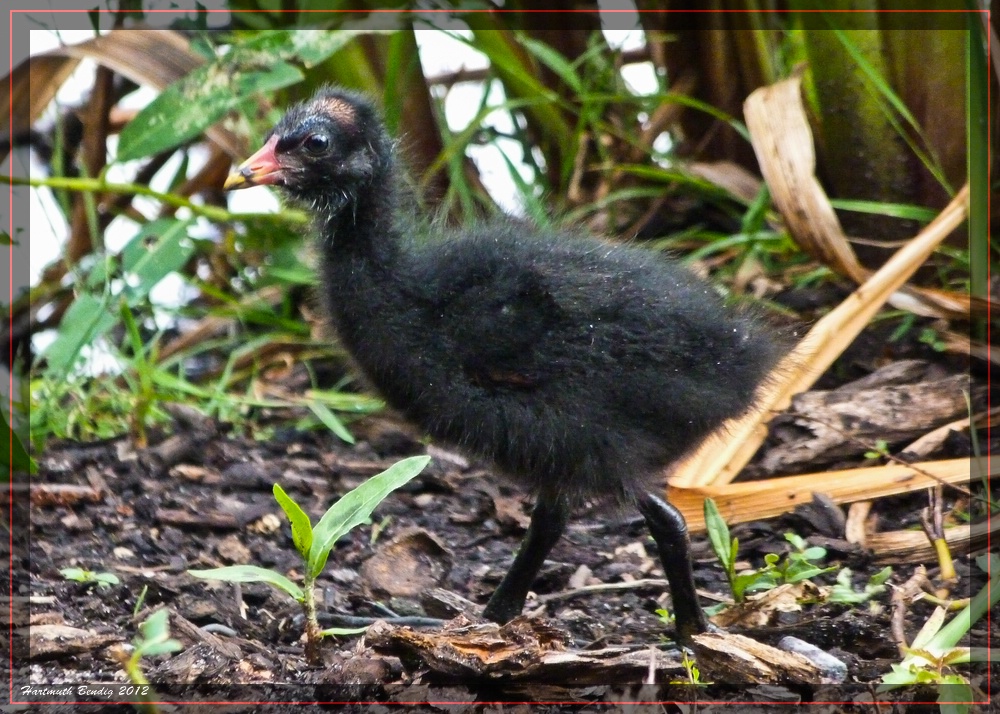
(235, 180)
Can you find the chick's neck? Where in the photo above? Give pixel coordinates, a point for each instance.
(358, 229)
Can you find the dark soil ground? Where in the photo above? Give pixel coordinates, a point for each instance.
(201, 498)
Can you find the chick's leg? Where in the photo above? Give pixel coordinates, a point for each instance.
(548, 521)
(667, 526)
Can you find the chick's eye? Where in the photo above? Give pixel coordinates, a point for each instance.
(316, 143)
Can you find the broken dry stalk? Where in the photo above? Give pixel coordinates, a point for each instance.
(948, 605)
(902, 596)
(932, 521)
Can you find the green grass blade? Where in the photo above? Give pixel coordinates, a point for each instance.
(250, 574)
(331, 421)
(302, 532)
(356, 506)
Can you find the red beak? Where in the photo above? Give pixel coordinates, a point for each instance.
(260, 169)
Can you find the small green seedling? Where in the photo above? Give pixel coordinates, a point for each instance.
(881, 450)
(724, 546)
(101, 580)
(844, 593)
(934, 650)
(140, 600)
(797, 565)
(379, 528)
(666, 617)
(929, 336)
(692, 671)
(315, 543)
(154, 639)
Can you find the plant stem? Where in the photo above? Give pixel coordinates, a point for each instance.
(134, 672)
(314, 635)
(99, 185)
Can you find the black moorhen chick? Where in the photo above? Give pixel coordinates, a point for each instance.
(578, 367)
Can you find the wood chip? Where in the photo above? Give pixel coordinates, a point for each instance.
(189, 633)
(463, 649)
(63, 494)
(524, 650)
(55, 641)
(406, 566)
(438, 602)
(185, 519)
(738, 660)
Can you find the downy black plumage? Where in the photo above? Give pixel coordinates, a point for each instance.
(578, 367)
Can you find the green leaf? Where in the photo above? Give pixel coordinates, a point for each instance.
(251, 574)
(156, 627)
(797, 541)
(154, 636)
(554, 61)
(989, 563)
(347, 402)
(718, 532)
(955, 697)
(309, 47)
(341, 631)
(751, 582)
(754, 218)
(13, 456)
(880, 578)
(106, 580)
(881, 208)
(355, 507)
(533, 205)
(5, 238)
(159, 648)
(899, 676)
(806, 573)
(160, 248)
(189, 106)
(331, 421)
(302, 532)
(87, 319)
(814, 553)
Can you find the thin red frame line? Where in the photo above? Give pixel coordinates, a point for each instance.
(530, 11)
(462, 701)
(10, 125)
(469, 702)
(10, 332)
(989, 341)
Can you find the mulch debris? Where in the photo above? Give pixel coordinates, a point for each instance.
(201, 498)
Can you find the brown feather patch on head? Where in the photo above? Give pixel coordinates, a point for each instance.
(337, 109)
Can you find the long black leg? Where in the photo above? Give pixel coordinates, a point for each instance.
(669, 530)
(548, 521)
